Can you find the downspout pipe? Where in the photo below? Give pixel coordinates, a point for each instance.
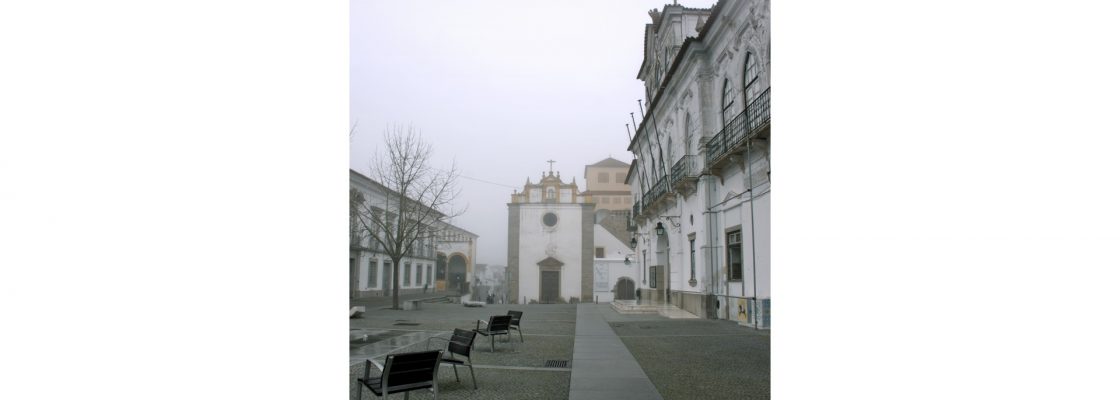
(754, 254)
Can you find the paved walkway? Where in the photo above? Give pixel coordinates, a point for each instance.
(602, 367)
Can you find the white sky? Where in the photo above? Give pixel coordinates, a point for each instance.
(500, 87)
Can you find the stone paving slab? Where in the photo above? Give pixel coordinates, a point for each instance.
(496, 384)
(705, 359)
(537, 320)
(515, 371)
(677, 359)
(596, 377)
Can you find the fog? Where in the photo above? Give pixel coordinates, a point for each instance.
(498, 87)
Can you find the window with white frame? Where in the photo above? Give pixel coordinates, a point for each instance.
(735, 255)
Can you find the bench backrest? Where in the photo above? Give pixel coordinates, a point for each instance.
(461, 342)
(407, 371)
(499, 323)
(516, 320)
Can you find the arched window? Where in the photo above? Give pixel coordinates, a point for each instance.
(750, 78)
(687, 133)
(728, 101)
(550, 193)
(669, 150)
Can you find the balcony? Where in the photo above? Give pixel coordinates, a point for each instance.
(636, 212)
(731, 142)
(655, 194)
(685, 173)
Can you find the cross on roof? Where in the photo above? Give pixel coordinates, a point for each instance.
(550, 162)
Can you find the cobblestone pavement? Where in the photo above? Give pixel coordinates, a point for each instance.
(684, 359)
(698, 358)
(515, 370)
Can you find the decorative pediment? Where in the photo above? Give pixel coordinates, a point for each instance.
(550, 263)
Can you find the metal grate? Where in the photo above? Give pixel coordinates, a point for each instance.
(556, 364)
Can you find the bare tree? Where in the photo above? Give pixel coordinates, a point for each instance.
(417, 204)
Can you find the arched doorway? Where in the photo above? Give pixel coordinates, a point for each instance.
(441, 272)
(457, 274)
(662, 269)
(624, 289)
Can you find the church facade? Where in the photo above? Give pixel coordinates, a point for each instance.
(551, 243)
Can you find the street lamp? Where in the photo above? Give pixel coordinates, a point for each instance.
(660, 229)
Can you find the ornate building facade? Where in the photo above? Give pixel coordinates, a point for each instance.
(701, 175)
(550, 242)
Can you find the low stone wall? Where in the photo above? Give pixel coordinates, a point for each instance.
(691, 302)
(389, 293)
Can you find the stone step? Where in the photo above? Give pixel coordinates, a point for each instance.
(665, 310)
(676, 313)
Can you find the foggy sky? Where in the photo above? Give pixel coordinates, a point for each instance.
(499, 87)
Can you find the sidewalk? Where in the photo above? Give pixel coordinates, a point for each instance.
(602, 367)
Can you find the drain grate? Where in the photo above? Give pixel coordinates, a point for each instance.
(407, 323)
(556, 364)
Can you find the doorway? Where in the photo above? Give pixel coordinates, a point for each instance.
(624, 289)
(457, 276)
(550, 287)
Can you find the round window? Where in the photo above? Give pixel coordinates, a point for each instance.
(550, 219)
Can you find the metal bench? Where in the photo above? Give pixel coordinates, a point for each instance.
(515, 323)
(403, 372)
(498, 325)
(460, 344)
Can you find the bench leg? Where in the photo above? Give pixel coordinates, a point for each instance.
(456, 372)
(491, 343)
(473, 379)
(522, 336)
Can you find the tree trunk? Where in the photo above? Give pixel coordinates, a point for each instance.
(396, 284)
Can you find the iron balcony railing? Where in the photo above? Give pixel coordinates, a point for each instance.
(687, 167)
(756, 115)
(637, 209)
(654, 193)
